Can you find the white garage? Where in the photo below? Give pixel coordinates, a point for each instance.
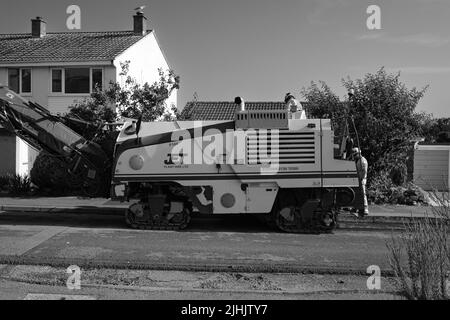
(432, 166)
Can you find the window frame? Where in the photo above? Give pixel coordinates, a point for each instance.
(89, 82)
(63, 80)
(30, 93)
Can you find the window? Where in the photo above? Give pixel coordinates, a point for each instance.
(57, 80)
(25, 80)
(77, 80)
(19, 80)
(14, 79)
(97, 79)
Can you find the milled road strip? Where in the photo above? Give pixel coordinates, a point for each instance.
(177, 281)
(19, 247)
(51, 296)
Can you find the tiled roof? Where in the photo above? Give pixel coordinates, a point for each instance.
(65, 46)
(201, 110)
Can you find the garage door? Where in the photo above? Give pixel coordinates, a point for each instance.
(8, 152)
(431, 168)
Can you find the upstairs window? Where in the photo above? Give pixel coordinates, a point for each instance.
(77, 80)
(19, 80)
(57, 79)
(25, 82)
(14, 80)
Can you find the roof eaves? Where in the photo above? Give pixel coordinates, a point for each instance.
(162, 51)
(13, 64)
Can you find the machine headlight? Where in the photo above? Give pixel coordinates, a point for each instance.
(136, 162)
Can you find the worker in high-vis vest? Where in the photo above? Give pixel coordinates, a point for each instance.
(294, 107)
(362, 167)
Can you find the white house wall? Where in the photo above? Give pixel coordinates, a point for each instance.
(59, 103)
(109, 75)
(55, 102)
(145, 57)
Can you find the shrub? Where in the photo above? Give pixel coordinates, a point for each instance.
(19, 185)
(424, 244)
(398, 174)
(4, 182)
(50, 175)
(380, 189)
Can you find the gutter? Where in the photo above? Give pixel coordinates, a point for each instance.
(56, 64)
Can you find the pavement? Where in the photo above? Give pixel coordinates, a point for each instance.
(63, 204)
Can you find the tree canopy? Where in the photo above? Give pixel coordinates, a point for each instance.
(383, 109)
(147, 100)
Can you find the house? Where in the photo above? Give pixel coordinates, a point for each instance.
(432, 166)
(55, 69)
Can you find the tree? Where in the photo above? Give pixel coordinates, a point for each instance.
(383, 109)
(436, 130)
(385, 117)
(131, 100)
(149, 101)
(323, 103)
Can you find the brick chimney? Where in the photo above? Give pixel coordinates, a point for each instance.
(140, 24)
(38, 27)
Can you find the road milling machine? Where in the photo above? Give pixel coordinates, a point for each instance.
(272, 163)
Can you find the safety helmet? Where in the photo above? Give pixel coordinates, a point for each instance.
(288, 96)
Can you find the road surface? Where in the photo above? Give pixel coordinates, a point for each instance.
(219, 257)
(213, 244)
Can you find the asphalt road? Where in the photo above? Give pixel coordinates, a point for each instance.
(238, 243)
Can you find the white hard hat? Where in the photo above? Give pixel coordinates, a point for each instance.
(356, 150)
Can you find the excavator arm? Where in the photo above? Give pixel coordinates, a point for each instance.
(43, 131)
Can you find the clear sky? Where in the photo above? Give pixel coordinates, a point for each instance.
(261, 49)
